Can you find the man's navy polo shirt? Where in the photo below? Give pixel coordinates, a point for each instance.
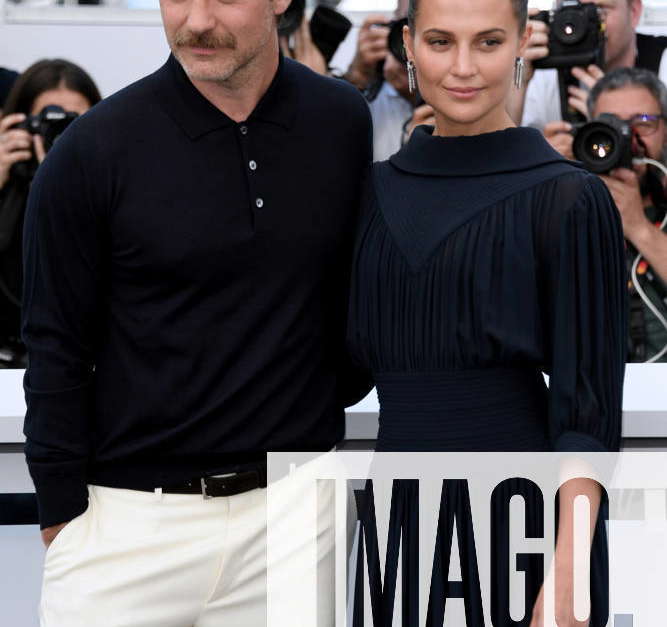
(186, 284)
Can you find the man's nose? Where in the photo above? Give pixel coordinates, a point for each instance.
(201, 17)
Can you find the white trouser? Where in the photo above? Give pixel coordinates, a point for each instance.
(151, 559)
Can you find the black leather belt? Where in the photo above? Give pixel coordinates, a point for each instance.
(219, 485)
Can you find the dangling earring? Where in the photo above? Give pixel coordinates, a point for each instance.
(412, 81)
(519, 69)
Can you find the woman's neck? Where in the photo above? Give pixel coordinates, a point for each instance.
(446, 127)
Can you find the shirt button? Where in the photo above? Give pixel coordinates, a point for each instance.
(253, 165)
(260, 203)
(244, 130)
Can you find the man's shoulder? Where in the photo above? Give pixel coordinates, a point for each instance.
(336, 94)
(123, 109)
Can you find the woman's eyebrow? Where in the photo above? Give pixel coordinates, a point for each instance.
(439, 31)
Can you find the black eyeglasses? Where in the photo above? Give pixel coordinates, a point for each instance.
(644, 124)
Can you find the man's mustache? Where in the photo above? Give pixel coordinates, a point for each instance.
(205, 40)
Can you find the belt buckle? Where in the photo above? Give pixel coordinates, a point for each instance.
(205, 495)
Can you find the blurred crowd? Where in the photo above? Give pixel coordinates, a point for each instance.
(597, 94)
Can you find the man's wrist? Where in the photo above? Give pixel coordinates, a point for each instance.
(642, 234)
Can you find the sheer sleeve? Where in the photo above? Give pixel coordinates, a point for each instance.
(586, 299)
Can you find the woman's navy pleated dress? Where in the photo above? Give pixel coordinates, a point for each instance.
(481, 262)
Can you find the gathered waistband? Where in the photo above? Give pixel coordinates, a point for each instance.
(494, 409)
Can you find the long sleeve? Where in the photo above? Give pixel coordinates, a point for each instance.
(63, 247)
(587, 310)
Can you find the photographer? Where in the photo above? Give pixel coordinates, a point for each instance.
(639, 98)
(538, 104)
(48, 82)
(313, 42)
(378, 69)
(7, 79)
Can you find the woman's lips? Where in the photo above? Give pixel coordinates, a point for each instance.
(465, 93)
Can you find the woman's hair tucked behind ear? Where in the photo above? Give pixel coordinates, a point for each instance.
(520, 11)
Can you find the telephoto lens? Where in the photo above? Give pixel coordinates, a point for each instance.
(604, 144)
(328, 29)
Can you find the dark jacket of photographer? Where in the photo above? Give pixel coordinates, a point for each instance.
(13, 199)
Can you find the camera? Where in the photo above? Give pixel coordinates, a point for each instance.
(50, 123)
(603, 144)
(328, 27)
(395, 39)
(577, 36)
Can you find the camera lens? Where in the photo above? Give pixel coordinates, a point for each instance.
(570, 27)
(600, 146)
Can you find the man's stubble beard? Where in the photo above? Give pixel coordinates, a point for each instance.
(231, 70)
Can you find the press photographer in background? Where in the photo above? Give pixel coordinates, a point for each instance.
(7, 80)
(42, 102)
(628, 109)
(572, 47)
(378, 69)
(313, 42)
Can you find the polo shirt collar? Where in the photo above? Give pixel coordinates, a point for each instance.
(196, 115)
(509, 150)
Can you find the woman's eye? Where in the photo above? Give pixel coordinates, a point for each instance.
(439, 42)
(490, 43)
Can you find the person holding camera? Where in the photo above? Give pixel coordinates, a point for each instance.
(7, 80)
(539, 104)
(638, 98)
(26, 132)
(378, 69)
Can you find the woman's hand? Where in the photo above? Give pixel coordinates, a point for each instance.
(564, 600)
(15, 145)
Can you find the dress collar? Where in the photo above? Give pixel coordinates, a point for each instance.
(197, 116)
(509, 150)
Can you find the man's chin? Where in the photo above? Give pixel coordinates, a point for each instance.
(205, 69)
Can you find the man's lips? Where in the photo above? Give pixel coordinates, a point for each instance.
(201, 51)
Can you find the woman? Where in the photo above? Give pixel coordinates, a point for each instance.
(485, 258)
(47, 82)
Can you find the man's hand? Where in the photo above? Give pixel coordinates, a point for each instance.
(49, 533)
(559, 135)
(15, 145)
(624, 187)
(371, 49)
(305, 51)
(538, 44)
(578, 98)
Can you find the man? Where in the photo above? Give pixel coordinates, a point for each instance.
(186, 256)
(639, 97)
(538, 103)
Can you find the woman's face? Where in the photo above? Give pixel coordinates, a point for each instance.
(464, 52)
(63, 97)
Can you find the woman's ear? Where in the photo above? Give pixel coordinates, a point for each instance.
(525, 39)
(408, 42)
